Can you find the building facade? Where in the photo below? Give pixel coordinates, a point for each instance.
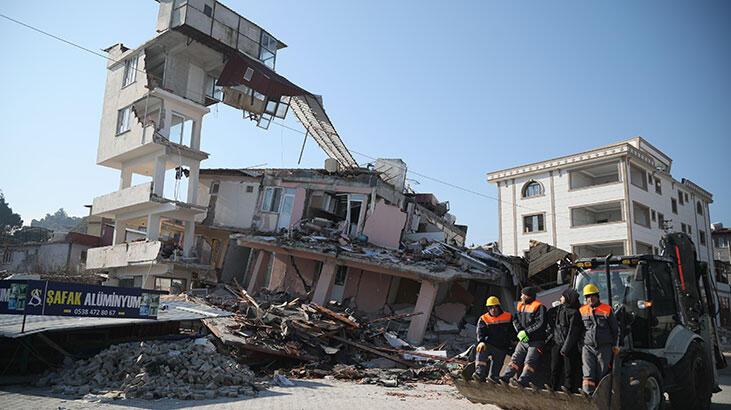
(617, 199)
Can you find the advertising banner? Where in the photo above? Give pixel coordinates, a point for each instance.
(40, 297)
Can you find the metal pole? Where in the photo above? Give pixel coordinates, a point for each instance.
(25, 308)
(303, 146)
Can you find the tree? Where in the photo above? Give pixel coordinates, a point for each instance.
(9, 221)
(59, 221)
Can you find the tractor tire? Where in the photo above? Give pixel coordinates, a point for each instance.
(642, 387)
(695, 377)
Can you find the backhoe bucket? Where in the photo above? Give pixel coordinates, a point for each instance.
(510, 397)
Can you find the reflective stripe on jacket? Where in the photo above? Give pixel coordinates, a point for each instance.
(531, 317)
(496, 330)
(600, 325)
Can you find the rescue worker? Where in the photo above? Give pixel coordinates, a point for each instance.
(494, 337)
(565, 355)
(601, 335)
(530, 323)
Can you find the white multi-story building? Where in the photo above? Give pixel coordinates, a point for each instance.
(619, 198)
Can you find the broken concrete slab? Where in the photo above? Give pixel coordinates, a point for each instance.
(450, 312)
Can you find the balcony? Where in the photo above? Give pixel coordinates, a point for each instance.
(132, 199)
(123, 254)
(596, 214)
(596, 175)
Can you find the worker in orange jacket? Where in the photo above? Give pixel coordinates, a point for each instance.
(494, 337)
(601, 338)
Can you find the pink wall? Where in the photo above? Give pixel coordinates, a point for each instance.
(292, 282)
(373, 291)
(351, 284)
(299, 205)
(383, 227)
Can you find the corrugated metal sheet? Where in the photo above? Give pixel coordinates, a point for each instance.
(10, 325)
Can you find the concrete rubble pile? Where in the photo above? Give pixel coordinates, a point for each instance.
(183, 369)
(316, 341)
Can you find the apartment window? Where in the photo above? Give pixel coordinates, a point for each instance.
(341, 275)
(641, 214)
(637, 177)
(660, 220)
(172, 285)
(683, 227)
(649, 179)
(702, 236)
(249, 189)
(699, 208)
(690, 230)
(268, 50)
(130, 71)
(531, 189)
(658, 186)
(652, 212)
(533, 223)
(643, 248)
(123, 117)
(214, 188)
(680, 198)
(127, 282)
(272, 198)
(686, 197)
(674, 205)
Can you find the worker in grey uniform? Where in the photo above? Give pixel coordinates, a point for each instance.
(601, 338)
(530, 322)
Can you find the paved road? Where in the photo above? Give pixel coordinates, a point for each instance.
(306, 394)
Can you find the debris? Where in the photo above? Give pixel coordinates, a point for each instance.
(422, 355)
(443, 327)
(281, 380)
(394, 341)
(450, 312)
(149, 370)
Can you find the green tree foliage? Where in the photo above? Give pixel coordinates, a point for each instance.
(59, 221)
(9, 221)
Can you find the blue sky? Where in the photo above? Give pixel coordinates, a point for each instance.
(456, 89)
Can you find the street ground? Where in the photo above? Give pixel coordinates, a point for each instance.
(306, 394)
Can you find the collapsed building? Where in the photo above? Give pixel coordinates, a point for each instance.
(155, 99)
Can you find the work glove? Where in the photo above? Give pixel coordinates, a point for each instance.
(523, 336)
(481, 347)
(615, 349)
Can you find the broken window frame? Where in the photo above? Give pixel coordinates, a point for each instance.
(186, 123)
(124, 116)
(537, 223)
(268, 49)
(272, 199)
(130, 71)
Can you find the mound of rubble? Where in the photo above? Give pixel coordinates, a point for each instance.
(184, 369)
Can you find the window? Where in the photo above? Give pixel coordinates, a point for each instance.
(532, 188)
(207, 10)
(272, 198)
(699, 208)
(249, 189)
(268, 49)
(126, 282)
(653, 215)
(181, 130)
(214, 188)
(686, 197)
(649, 179)
(341, 275)
(660, 220)
(637, 177)
(641, 214)
(658, 186)
(7, 256)
(533, 223)
(642, 248)
(690, 230)
(674, 205)
(702, 236)
(680, 198)
(172, 285)
(683, 227)
(123, 122)
(130, 71)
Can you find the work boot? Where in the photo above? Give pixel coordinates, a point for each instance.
(493, 380)
(479, 374)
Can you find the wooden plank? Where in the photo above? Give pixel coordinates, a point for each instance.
(335, 315)
(374, 351)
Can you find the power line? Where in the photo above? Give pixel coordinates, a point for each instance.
(437, 180)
